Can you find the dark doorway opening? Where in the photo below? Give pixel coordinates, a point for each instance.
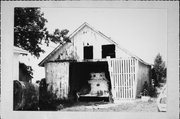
(108, 50)
(88, 52)
(80, 75)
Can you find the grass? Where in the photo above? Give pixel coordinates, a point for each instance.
(135, 106)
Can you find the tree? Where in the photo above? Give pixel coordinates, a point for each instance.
(26, 72)
(30, 31)
(59, 36)
(159, 69)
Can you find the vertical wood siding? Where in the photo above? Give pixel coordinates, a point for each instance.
(57, 76)
(87, 37)
(143, 74)
(122, 73)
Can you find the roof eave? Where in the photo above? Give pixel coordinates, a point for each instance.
(47, 57)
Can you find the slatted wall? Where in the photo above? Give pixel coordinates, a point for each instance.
(122, 73)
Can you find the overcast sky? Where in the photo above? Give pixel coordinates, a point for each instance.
(141, 31)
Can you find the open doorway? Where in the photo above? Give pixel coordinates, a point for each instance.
(81, 76)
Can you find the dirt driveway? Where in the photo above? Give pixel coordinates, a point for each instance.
(135, 106)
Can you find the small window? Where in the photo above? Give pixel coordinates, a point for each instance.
(88, 52)
(108, 50)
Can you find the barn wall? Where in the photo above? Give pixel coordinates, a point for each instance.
(57, 78)
(65, 52)
(87, 36)
(143, 74)
(123, 78)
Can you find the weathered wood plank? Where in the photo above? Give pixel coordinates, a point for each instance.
(123, 74)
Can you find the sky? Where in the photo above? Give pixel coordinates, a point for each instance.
(141, 31)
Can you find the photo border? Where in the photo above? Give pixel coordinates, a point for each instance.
(7, 34)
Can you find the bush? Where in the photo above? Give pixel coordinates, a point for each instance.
(148, 90)
(45, 98)
(25, 96)
(48, 100)
(145, 90)
(152, 91)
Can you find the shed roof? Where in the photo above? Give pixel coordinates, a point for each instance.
(98, 32)
(19, 50)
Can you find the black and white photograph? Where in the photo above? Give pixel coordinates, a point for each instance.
(90, 59)
(84, 69)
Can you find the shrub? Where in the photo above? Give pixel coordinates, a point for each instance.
(25, 96)
(152, 91)
(148, 90)
(48, 100)
(145, 90)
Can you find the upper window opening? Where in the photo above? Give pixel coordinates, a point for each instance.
(88, 52)
(108, 50)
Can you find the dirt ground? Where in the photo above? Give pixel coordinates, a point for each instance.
(134, 106)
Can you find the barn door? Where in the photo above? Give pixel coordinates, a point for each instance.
(122, 74)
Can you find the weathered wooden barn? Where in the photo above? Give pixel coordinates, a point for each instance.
(91, 54)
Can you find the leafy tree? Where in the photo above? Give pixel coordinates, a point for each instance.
(26, 71)
(159, 69)
(59, 36)
(30, 31)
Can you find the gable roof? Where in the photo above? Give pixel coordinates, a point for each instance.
(98, 32)
(59, 47)
(86, 24)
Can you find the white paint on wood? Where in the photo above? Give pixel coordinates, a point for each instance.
(16, 66)
(16, 54)
(123, 69)
(87, 37)
(122, 73)
(66, 52)
(57, 77)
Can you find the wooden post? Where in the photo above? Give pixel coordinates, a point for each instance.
(111, 77)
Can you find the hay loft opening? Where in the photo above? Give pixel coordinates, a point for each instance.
(89, 81)
(108, 50)
(88, 52)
